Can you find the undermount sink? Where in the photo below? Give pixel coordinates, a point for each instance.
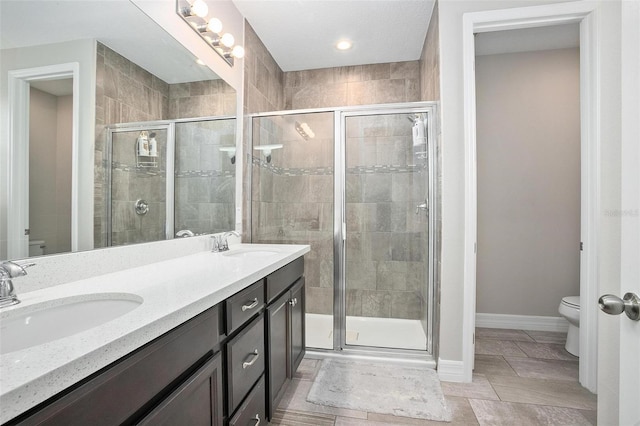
(249, 253)
(29, 326)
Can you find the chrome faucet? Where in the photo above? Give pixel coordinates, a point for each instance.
(185, 233)
(220, 242)
(8, 271)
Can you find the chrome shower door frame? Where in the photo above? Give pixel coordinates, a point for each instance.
(340, 347)
(340, 323)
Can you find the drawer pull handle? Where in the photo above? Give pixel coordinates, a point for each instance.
(251, 306)
(257, 417)
(256, 355)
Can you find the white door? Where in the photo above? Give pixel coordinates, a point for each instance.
(619, 337)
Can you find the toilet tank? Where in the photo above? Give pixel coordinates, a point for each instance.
(36, 248)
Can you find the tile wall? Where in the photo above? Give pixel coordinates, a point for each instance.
(205, 183)
(130, 183)
(386, 249)
(292, 198)
(267, 88)
(127, 93)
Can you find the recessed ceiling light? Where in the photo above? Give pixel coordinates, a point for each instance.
(343, 45)
(199, 61)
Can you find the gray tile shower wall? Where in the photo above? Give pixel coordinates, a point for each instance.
(130, 183)
(382, 213)
(125, 92)
(205, 177)
(355, 85)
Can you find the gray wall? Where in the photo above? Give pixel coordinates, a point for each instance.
(528, 124)
(50, 170)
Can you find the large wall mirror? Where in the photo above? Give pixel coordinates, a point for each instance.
(113, 132)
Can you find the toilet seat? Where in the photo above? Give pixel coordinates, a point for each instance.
(571, 301)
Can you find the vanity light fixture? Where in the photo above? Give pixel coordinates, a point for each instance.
(198, 8)
(195, 14)
(266, 150)
(305, 131)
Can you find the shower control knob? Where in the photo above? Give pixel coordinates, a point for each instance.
(613, 305)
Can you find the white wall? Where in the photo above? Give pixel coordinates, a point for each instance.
(528, 151)
(50, 170)
(452, 103)
(84, 53)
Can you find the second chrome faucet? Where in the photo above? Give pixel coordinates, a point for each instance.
(220, 242)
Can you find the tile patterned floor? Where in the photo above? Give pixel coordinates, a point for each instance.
(521, 378)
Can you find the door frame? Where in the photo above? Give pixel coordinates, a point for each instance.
(584, 13)
(18, 158)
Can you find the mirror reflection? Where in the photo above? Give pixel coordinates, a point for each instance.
(146, 89)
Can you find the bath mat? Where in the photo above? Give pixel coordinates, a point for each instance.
(380, 388)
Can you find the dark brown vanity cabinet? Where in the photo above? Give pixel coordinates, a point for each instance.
(174, 376)
(285, 334)
(227, 365)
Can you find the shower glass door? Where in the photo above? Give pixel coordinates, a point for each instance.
(386, 245)
(292, 200)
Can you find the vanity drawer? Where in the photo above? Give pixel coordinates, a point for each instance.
(244, 305)
(245, 362)
(252, 412)
(280, 280)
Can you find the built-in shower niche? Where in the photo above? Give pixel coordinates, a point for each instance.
(185, 183)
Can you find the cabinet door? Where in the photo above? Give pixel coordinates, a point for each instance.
(277, 351)
(197, 401)
(297, 335)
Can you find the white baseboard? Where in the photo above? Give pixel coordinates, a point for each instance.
(450, 371)
(522, 322)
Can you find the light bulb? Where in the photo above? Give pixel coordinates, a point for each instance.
(214, 25)
(343, 45)
(199, 8)
(227, 40)
(237, 52)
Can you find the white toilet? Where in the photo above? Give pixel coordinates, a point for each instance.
(570, 309)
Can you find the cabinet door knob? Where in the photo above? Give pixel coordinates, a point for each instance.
(251, 306)
(294, 301)
(256, 355)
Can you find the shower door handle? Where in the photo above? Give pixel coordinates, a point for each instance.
(422, 206)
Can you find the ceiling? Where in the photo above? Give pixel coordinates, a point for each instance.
(301, 34)
(116, 23)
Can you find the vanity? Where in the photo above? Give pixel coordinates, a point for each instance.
(213, 338)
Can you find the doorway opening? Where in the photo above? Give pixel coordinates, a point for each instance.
(62, 235)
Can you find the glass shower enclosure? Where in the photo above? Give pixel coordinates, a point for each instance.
(168, 177)
(357, 185)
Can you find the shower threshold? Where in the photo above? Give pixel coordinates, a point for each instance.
(392, 333)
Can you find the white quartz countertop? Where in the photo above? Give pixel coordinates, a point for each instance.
(173, 291)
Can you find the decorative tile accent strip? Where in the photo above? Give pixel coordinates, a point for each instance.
(378, 169)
